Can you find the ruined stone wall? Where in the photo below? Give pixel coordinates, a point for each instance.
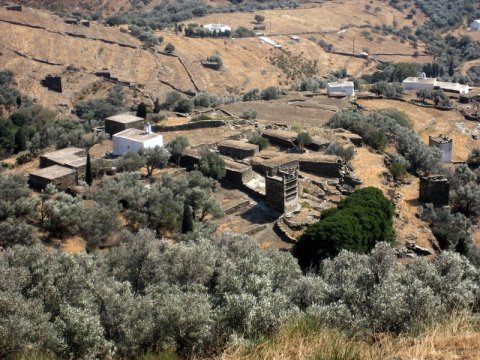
(237, 176)
(274, 193)
(326, 169)
(435, 190)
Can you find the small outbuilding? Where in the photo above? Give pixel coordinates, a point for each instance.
(60, 176)
(219, 28)
(341, 88)
(475, 26)
(71, 157)
(434, 189)
(237, 149)
(53, 83)
(445, 144)
(115, 124)
(135, 140)
(280, 137)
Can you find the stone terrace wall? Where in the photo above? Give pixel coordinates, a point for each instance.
(202, 124)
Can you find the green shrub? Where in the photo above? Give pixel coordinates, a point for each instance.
(249, 114)
(357, 224)
(259, 140)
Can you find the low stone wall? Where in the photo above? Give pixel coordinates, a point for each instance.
(282, 230)
(202, 124)
(233, 209)
(255, 229)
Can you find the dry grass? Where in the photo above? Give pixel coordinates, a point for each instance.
(457, 337)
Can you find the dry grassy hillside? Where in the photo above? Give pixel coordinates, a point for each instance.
(36, 43)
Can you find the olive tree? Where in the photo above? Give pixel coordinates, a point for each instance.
(156, 157)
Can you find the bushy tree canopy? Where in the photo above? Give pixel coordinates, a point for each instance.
(357, 224)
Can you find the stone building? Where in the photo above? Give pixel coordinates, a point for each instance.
(237, 149)
(322, 165)
(71, 157)
(318, 143)
(272, 165)
(135, 140)
(341, 88)
(60, 176)
(14, 7)
(281, 190)
(434, 189)
(237, 173)
(211, 65)
(115, 124)
(280, 137)
(53, 83)
(445, 144)
(317, 164)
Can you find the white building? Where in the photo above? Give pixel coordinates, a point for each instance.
(135, 140)
(424, 83)
(345, 87)
(419, 83)
(217, 28)
(269, 41)
(475, 25)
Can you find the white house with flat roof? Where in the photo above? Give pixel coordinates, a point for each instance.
(135, 140)
(344, 87)
(424, 83)
(217, 28)
(475, 25)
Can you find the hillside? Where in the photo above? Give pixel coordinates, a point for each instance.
(37, 43)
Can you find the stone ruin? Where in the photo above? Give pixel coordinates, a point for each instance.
(211, 65)
(14, 7)
(53, 83)
(281, 189)
(435, 189)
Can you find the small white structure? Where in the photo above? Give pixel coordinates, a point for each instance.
(419, 83)
(475, 26)
(345, 87)
(135, 140)
(217, 28)
(424, 83)
(269, 41)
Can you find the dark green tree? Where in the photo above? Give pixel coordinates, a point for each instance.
(142, 110)
(187, 222)
(357, 224)
(88, 171)
(20, 141)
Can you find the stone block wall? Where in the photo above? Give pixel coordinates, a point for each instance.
(326, 169)
(435, 189)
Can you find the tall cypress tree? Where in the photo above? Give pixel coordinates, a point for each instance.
(187, 222)
(20, 141)
(142, 110)
(88, 171)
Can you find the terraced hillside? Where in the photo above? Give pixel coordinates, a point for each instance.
(36, 43)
